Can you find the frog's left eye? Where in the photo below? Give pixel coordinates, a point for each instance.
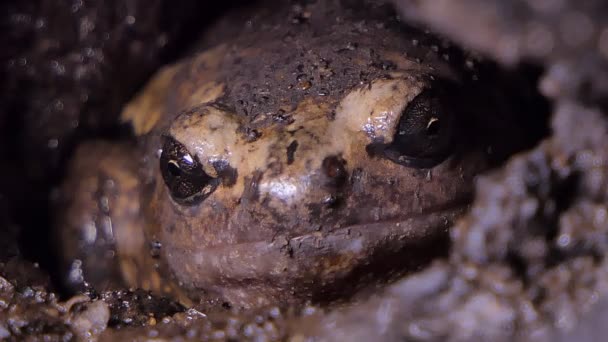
(424, 136)
(184, 175)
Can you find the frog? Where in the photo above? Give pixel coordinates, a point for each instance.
(301, 152)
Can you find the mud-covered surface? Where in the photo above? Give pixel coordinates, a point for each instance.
(527, 262)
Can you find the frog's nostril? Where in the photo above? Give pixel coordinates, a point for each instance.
(334, 169)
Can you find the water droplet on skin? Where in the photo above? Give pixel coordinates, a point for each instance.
(52, 143)
(58, 68)
(563, 240)
(219, 335)
(275, 312)
(109, 185)
(130, 20)
(351, 46)
(305, 85)
(58, 105)
(376, 215)
(75, 273)
(415, 42)
(90, 232)
(155, 247)
(104, 204)
(40, 23)
(429, 175)
(162, 40)
(76, 5)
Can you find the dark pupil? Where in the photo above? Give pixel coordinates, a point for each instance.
(433, 127)
(174, 169)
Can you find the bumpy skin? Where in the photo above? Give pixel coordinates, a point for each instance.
(289, 121)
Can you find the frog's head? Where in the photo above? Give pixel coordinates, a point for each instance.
(289, 171)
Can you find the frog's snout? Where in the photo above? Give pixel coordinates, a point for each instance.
(309, 191)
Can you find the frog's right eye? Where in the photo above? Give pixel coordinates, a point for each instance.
(184, 175)
(426, 130)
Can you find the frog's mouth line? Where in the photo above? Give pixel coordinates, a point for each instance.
(318, 255)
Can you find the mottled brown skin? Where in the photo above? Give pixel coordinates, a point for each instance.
(299, 190)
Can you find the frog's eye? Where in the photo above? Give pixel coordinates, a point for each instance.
(184, 175)
(424, 136)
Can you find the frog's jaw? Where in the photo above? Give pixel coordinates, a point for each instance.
(314, 267)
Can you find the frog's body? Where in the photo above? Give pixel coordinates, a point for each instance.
(320, 150)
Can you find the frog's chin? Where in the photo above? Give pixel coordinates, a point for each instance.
(313, 262)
